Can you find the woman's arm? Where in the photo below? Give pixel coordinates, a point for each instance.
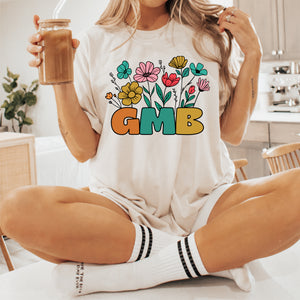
(74, 124)
(235, 118)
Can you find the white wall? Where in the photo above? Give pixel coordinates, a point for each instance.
(15, 28)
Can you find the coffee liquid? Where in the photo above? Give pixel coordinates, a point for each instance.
(57, 56)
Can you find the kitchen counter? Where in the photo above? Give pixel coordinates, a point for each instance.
(280, 117)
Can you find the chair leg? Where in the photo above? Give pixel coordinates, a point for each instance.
(6, 254)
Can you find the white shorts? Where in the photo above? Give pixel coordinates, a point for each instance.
(138, 217)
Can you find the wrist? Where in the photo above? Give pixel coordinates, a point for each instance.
(254, 54)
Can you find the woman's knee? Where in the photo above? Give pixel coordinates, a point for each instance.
(18, 211)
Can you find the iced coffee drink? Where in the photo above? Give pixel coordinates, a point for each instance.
(57, 55)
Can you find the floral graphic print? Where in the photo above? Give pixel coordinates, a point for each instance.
(131, 93)
(161, 88)
(146, 72)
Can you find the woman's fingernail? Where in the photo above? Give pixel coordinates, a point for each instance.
(37, 60)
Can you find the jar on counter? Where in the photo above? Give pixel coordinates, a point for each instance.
(57, 55)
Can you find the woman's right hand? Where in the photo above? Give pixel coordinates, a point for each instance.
(34, 48)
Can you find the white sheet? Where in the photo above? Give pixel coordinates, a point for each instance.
(56, 166)
(277, 278)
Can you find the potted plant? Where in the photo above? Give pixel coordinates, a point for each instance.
(19, 98)
(2, 127)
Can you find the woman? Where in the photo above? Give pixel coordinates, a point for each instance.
(155, 98)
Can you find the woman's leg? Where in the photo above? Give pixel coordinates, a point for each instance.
(258, 218)
(252, 219)
(59, 223)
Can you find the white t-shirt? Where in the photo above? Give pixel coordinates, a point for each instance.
(156, 104)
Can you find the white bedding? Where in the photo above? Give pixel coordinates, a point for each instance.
(277, 278)
(56, 166)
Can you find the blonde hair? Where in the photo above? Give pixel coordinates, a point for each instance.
(200, 15)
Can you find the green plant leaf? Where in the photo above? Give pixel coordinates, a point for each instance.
(152, 91)
(35, 88)
(159, 107)
(13, 84)
(178, 72)
(27, 121)
(5, 104)
(30, 98)
(9, 112)
(168, 97)
(186, 96)
(18, 98)
(159, 92)
(182, 103)
(189, 105)
(146, 90)
(24, 86)
(191, 98)
(21, 114)
(186, 72)
(7, 88)
(147, 101)
(10, 97)
(12, 75)
(7, 79)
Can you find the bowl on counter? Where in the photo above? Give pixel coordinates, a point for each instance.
(281, 69)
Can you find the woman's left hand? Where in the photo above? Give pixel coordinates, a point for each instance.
(241, 27)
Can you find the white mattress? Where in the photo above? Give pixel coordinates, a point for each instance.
(56, 166)
(277, 278)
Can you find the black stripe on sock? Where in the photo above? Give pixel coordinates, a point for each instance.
(187, 272)
(150, 242)
(187, 246)
(143, 243)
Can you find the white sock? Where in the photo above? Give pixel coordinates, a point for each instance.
(177, 261)
(149, 241)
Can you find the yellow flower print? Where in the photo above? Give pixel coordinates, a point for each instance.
(178, 62)
(131, 93)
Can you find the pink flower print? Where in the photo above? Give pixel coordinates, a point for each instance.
(192, 89)
(203, 85)
(146, 72)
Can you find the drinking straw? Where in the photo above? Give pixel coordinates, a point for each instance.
(58, 8)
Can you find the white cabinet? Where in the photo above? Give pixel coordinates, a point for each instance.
(283, 133)
(276, 22)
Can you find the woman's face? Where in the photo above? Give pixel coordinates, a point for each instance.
(153, 3)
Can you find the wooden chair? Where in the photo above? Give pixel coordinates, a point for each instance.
(7, 258)
(239, 164)
(283, 157)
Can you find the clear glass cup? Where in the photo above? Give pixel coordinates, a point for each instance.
(57, 56)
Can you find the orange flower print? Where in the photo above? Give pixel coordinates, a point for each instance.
(109, 96)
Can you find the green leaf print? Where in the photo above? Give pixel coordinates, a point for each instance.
(189, 105)
(168, 97)
(186, 96)
(159, 107)
(147, 101)
(152, 91)
(178, 72)
(186, 72)
(182, 103)
(191, 98)
(146, 90)
(159, 92)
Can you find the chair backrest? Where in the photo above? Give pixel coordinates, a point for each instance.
(239, 164)
(283, 157)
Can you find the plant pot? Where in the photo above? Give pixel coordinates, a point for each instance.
(3, 128)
